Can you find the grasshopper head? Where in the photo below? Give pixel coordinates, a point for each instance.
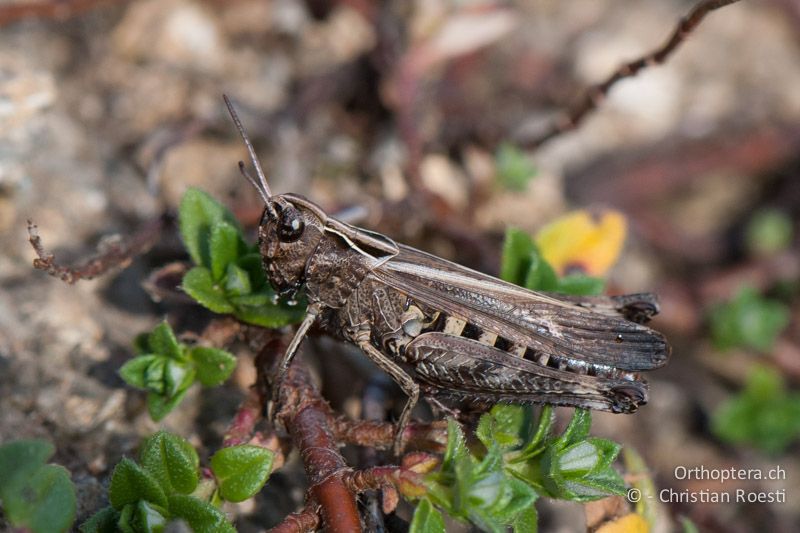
(290, 231)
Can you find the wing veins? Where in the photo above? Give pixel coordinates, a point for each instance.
(529, 318)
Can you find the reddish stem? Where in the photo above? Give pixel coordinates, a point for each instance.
(305, 414)
(300, 522)
(429, 437)
(243, 425)
(324, 466)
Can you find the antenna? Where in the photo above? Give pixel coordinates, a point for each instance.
(253, 182)
(260, 185)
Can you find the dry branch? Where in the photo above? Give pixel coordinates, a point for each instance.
(595, 94)
(117, 254)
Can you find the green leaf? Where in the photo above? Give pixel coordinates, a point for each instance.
(177, 377)
(237, 281)
(485, 521)
(160, 406)
(523, 264)
(502, 426)
(517, 497)
(516, 259)
(764, 415)
(534, 445)
(540, 275)
(19, 460)
(199, 284)
(131, 483)
(258, 299)
(591, 455)
(271, 315)
(592, 487)
(148, 518)
(42, 503)
(485, 490)
(687, 526)
(582, 471)
(748, 321)
(514, 169)
(197, 216)
(141, 344)
(213, 366)
(201, 516)
(572, 466)
(482, 489)
(172, 461)
(163, 342)
(577, 429)
(103, 521)
(608, 450)
(136, 371)
(580, 458)
(253, 264)
(426, 519)
(606, 482)
(126, 523)
(155, 375)
(527, 521)
(581, 285)
(769, 231)
(226, 247)
(456, 447)
(241, 470)
(162, 376)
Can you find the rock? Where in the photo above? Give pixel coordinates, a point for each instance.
(179, 32)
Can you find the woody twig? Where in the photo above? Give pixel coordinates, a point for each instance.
(116, 254)
(305, 415)
(595, 94)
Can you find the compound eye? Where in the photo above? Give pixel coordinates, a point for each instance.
(291, 225)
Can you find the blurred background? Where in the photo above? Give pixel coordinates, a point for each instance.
(427, 115)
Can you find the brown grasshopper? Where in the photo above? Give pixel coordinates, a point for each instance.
(461, 333)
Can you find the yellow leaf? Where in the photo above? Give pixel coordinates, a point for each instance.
(630, 523)
(583, 242)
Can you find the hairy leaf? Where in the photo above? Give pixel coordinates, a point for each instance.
(213, 366)
(172, 461)
(131, 483)
(226, 245)
(162, 341)
(197, 216)
(135, 372)
(20, 459)
(160, 406)
(199, 284)
(43, 503)
(103, 521)
(201, 516)
(241, 470)
(426, 519)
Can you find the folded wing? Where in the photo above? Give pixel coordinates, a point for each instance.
(594, 330)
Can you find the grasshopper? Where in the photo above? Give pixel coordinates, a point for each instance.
(458, 332)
